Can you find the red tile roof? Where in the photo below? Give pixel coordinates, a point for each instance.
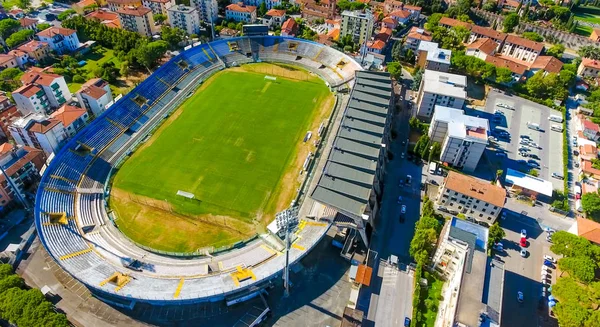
(537, 46)
(85, 3)
(276, 12)
(25, 22)
(237, 8)
(68, 114)
(588, 124)
(592, 63)
(44, 126)
(547, 63)
(32, 46)
(50, 32)
(32, 76)
(414, 8)
(485, 45)
(475, 188)
(377, 44)
(588, 229)
(4, 58)
(289, 26)
(107, 18)
(131, 11)
(514, 67)
(453, 22)
(488, 32)
(588, 149)
(401, 14)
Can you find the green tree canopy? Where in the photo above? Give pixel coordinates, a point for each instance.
(533, 36)
(19, 37)
(591, 205)
(395, 69)
(172, 35)
(8, 26)
(159, 18)
(510, 22)
(43, 26)
(65, 14)
(581, 268)
(589, 51)
(556, 51)
(503, 75)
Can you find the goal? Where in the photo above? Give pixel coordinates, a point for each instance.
(270, 78)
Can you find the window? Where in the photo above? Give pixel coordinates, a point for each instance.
(483, 210)
(462, 202)
(480, 215)
(476, 201)
(487, 205)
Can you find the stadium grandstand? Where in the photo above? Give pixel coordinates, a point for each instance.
(78, 230)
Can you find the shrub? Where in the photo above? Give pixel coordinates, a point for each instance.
(78, 79)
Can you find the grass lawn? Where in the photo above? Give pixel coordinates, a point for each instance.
(583, 30)
(236, 144)
(74, 87)
(432, 299)
(588, 14)
(97, 57)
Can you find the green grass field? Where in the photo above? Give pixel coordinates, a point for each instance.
(230, 145)
(586, 14)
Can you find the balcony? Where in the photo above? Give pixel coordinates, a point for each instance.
(55, 86)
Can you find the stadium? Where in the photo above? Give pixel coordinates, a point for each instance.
(77, 226)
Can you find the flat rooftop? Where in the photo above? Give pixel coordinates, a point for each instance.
(441, 56)
(529, 182)
(470, 297)
(461, 125)
(445, 84)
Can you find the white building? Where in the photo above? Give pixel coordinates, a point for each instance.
(471, 197)
(522, 49)
(481, 48)
(94, 96)
(158, 6)
(357, 24)
(184, 17)
(207, 9)
(438, 60)
(240, 13)
(138, 20)
(72, 118)
(439, 88)
(274, 18)
(54, 87)
(38, 131)
(61, 40)
(31, 99)
(463, 138)
(256, 3)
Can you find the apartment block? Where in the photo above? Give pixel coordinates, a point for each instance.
(72, 118)
(589, 68)
(94, 96)
(357, 24)
(274, 18)
(31, 52)
(256, 3)
(61, 40)
(184, 17)
(8, 61)
(207, 9)
(521, 48)
(53, 85)
(115, 5)
(239, 12)
(472, 197)
(463, 138)
(414, 38)
(40, 132)
(158, 6)
(138, 20)
(439, 88)
(8, 112)
(22, 165)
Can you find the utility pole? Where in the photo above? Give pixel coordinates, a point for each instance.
(286, 271)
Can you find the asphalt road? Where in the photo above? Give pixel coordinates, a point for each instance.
(515, 122)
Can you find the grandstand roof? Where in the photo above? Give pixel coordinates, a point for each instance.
(350, 169)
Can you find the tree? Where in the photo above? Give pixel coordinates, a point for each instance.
(510, 22)
(409, 56)
(65, 14)
(534, 172)
(433, 21)
(262, 9)
(569, 245)
(556, 51)
(23, 4)
(589, 51)
(503, 75)
(490, 5)
(397, 51)
(8, 26)
(19, 37)
(567, 78)
(570, 314)
(434, 152)
(159, 18)
(395, 69)
(172, 35)
(591, 205)
(581, 268)
(10, 282)
(495, 234)
(533, 36)
(43, 26)
(147, 54)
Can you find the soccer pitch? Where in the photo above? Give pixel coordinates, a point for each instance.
(236, 144)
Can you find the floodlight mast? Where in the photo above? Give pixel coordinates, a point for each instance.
(290, 218)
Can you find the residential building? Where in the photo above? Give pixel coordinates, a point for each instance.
(115, 5)
(415, 11)
(401, 16)
(274, 18)
(438, 60)
(8, 112)
(184, 17)
(314, 9)
(106, 17)
(589, 68)
(586, 228)
(478, 32)
(40, 132)
(256, 3)
(463, 138)
(548, 64)
(8, 61)
(595, 36)
(472, 197)
(375, 46)
(423, 49)
(357, 24)
(21, 57)
(84, 6)
(481, 48)
(517, 70)
(22, 164)
(73, 118)
(414, 38)
(352, 179)
(207, 9)
(158, 6)
(389, 22)
(591, 130)
(439, 88)
(588, 151)
(29, 23)
(508, 5)
(521, 48)
(61, 40)
(392, 5)
(36, 51)
(53, 85)
(289, 28)
(94, 96)
(240, 13)
(31, 98)
(450, 22)
(138, 20)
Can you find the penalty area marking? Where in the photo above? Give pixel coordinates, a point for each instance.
(264, 89)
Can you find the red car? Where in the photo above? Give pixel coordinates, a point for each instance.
(523, 242)
(577, 196)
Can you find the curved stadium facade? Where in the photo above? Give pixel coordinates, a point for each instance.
(71, 215)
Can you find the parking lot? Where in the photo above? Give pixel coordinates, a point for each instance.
(544, 149)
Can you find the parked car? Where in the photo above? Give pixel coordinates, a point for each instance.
(524, 233)
(523, 242)
(403, 209)
(548, 263)
(523, 252)
(534, 156)
(526, 137)
(400, 199)
(406, 322)
(575, 153)
(520, 297)
(549, 258)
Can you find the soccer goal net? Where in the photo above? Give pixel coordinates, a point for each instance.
(270, 78)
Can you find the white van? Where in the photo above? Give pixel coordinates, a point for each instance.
(557, 128)
(432, 167)
(533, 126)
(556, 118)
